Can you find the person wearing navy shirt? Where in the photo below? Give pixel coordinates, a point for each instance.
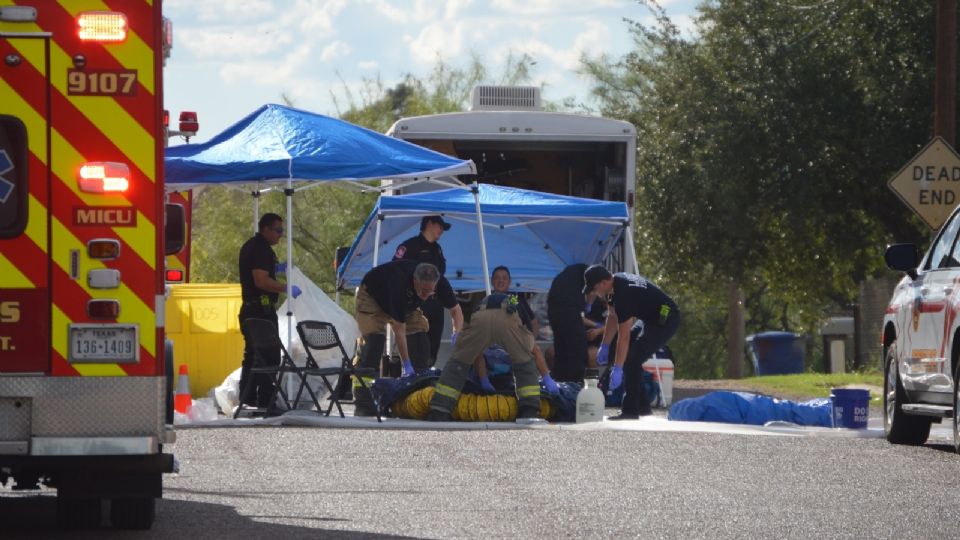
(393, 294)
(260, 291)
(565, 307)
(425, 247)
(642, 310)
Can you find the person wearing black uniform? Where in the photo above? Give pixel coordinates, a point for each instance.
(425, 247)
(260, 291)
(641, 310)
(565, 306)
(393, 293)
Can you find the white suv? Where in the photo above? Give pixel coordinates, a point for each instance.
(921, 339)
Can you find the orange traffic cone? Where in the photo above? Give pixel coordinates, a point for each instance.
(181, 399)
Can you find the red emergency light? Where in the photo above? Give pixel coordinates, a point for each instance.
(166, 118)
(188, 122)
(174, 275)
(102, 26)
(104, 177)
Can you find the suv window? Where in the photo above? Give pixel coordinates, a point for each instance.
(13, 176)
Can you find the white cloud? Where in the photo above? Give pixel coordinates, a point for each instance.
(335, 50)
(231, 43)
(388, 10)
(368, 64)
(444, 39)
(281, 74)
(315, 17)
(453, 8)
(222, 12)
(551, 7)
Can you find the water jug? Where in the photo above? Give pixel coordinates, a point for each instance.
(590, 400)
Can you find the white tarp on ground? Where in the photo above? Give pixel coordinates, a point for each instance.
(312, 304)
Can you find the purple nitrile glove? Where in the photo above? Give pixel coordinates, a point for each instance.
(281, 268)
(603, 354)
(487, 386)
(453, 338)
(408, 370)
(616, 377)
(550, 385)
(295, 291)
(599, 324)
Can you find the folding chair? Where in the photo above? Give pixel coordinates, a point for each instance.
(321, 336)
(263, 334)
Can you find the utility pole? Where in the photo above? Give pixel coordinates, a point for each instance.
(945, 87)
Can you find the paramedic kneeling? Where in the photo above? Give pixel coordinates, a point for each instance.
(496, 321)
(641, 310)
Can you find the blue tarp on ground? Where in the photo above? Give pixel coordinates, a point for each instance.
(276, 143)
(746, 408)
(535, 234)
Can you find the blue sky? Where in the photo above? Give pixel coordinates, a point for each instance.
(232, 56)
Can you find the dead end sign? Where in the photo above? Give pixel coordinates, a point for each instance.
(930, 183)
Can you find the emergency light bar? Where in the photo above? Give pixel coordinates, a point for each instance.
(102, 26)
(104, 177)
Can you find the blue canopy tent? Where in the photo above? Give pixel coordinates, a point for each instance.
(535, 234)
(278, 146)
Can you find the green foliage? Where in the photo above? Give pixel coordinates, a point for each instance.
(765, 144)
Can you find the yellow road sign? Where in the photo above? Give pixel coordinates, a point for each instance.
(930, 183)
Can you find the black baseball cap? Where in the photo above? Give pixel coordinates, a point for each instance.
(594, 274)
(433, 219)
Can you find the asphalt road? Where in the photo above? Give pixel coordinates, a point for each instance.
(288, 482)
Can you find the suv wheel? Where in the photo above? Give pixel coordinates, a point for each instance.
(900, 427)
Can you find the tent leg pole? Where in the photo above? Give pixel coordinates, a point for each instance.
(483, 243)
(631, 250)
(290, 266)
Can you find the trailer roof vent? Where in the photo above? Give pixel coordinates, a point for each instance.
(505, 98)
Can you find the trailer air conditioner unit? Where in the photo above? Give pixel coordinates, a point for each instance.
(505, 98)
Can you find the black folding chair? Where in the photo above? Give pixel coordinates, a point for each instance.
(322, 336)
(263, 334)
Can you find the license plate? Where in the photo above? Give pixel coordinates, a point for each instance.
(104, 343)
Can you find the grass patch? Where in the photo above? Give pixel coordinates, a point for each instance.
(817, 384)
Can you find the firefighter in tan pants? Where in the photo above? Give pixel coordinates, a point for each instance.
(496, 321)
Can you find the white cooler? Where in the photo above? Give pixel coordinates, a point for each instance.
(662, 371)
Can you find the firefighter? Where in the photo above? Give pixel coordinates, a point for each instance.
(565, 307)
(496, 321)
(260, 291)
(393, 294)
(638, 309)
(425, 247)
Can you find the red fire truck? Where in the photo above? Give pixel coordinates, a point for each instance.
(84, 395)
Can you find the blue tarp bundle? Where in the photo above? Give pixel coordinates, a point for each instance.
(276, 143)
(535, 234)
(746, 408)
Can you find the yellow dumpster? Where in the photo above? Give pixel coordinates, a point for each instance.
(202, 322)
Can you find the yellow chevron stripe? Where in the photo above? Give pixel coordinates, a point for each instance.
(59, 337)
(34, 122)
(132, 308)
(130, 137)
(129, 53)
(13, 278)
(141, 238)
(37, 226)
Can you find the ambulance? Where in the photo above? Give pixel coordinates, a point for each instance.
(84, 371)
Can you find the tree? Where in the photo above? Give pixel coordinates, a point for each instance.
(765, 143)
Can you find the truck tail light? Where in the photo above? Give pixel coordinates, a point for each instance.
(175, 276)
(103, 309)
(103, 248)
(102, 26)
(104, 177)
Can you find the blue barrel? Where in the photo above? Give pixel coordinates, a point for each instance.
(851, 407)
(776, 353)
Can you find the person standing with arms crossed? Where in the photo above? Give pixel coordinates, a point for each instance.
(638, 309)
(425, 247)
(260, 291)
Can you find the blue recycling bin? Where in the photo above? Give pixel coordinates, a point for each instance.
(776, 353)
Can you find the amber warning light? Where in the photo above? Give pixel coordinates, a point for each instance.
(104, 177)
(102, 26)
